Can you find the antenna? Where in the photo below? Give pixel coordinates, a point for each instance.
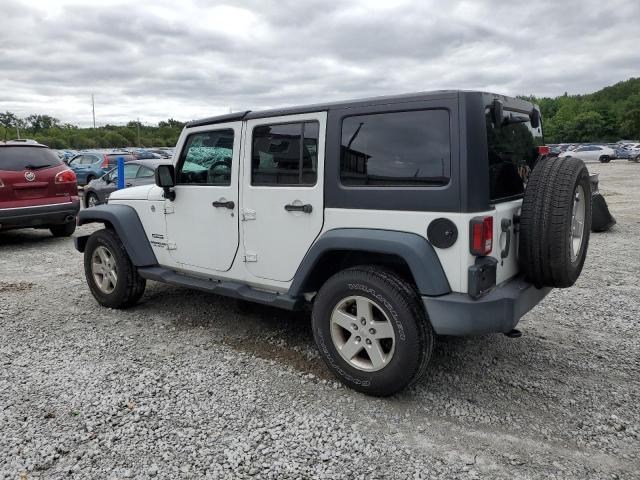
(93, 109)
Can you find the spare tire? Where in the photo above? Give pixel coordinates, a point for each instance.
(555, 222)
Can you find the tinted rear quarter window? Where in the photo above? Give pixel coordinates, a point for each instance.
(411, 148)
(15, 159)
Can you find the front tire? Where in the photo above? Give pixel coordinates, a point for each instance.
(112, 278)
(605, 159)
(372, 330)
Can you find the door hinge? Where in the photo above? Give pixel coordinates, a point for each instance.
(169, 208)
(248, 214)
(251, 257)
(171, 245)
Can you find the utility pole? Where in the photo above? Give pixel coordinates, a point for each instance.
(138, 132)
(93, 109)
(18, 131)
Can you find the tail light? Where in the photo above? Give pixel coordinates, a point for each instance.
(1, 184)
(105, 162)
(66, 176)
(481, 233)
(544, 150)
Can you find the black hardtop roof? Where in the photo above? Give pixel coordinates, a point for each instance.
(321, 107)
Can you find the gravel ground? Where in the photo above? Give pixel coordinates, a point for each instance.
(189, 385)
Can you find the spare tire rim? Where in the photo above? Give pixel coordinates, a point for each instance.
(577, 222)
(362, 333)
(104, 270)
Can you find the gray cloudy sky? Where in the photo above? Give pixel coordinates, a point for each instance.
(186, 59)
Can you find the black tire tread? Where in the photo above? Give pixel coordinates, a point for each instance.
(544, 248)
(64, 230)
(134, 284)
(404, 294)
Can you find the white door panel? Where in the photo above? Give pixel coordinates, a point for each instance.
(276, 239)
(201, 231)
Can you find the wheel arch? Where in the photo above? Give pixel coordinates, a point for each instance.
(124, 220)
(408, 254)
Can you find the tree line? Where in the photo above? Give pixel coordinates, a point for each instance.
(607, 115)
(50, 131)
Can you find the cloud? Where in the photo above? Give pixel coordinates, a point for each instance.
(194, 58)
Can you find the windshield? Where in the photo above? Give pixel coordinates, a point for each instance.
(15, 159)
(513, 150)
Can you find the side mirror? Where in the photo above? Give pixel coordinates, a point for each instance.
(497, 113)
(166, 178)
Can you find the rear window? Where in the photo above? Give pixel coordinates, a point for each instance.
(513, 150)
(15, 159)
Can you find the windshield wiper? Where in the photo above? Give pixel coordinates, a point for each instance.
(37, 167)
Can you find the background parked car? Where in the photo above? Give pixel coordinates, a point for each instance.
(591, 152)
(146, 155)
(137, 172)
(91, 165)
(37, 190)
(634, 153)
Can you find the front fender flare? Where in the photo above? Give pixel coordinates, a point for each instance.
(415, 250)
(126, 222)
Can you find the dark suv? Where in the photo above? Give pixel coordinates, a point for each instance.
(37, 190)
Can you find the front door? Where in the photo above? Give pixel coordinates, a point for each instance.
(282, 201)
(202, 221)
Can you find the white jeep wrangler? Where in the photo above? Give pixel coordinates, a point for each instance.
(394, 219)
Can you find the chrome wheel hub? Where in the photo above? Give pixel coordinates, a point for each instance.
(92, 201)
(104, 269)
(577, 222)
(362, 333)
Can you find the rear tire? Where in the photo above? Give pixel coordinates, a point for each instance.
(112, 278)
(605, 159)
(65, 230)
(374, 313)
(555, 222)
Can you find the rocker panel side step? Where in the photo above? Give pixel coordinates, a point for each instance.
(222, 287)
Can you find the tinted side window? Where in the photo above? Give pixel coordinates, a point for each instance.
(206, 159)
(396, 149)
(285, 154)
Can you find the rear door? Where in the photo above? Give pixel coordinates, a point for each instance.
(282, 200)
(202, 221)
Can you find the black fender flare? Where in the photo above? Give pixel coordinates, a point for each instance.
(126, 222)
(415, 250)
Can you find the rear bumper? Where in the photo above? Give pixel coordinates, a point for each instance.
(39, 216)
(496, 312)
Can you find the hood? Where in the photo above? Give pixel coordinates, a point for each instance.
(132, 193)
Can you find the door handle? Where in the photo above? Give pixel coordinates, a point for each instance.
(299, 208)
(230, 204)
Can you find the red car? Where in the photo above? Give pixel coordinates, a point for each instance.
(37, 190)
